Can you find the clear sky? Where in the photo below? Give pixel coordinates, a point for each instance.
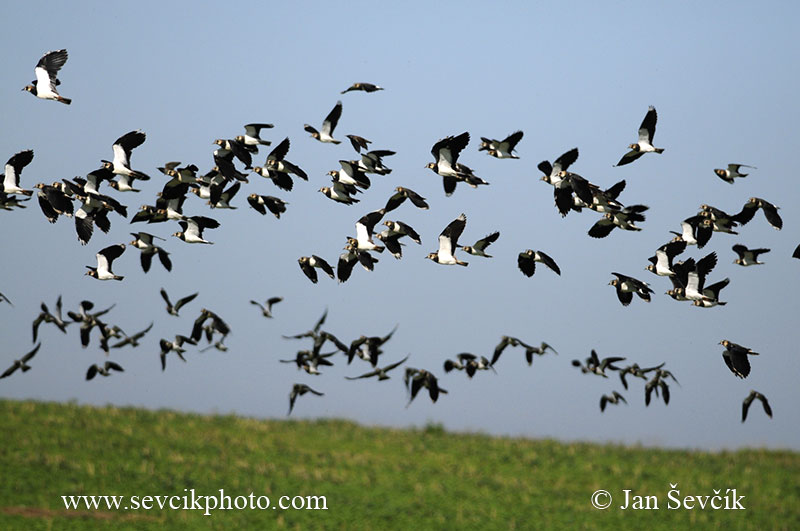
(722, 76)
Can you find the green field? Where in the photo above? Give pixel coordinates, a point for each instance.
(371, 478)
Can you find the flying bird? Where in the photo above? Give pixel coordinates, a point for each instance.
(614, 398)
(46, 81)
(364, 87)
(300, 390)
(121, 165)
(328, 125)
(173, 309)
(380, 372)
(104, 370)
(448, 243)
(749, 400)
(144, 242)
(747, 257)
(732, 172)
(626, 286)
(479, 247)
(266, 310)
(645, 144)
(21, 363)
(526, 261)
(13, 171)
(262, 203)
(735, 357)
(309, 263)
(105, 259)
(501, 149)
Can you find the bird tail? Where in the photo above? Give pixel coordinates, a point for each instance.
(64, 100)
(659, 150)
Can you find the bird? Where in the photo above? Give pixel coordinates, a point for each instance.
(266, 311)
(696, 277)
(175, 346)
(314, 331)
(446, 152)
(530, 350)
(626, 286)
(401, 194)
(448, 243)
(749, 400)
(328, 125)
(614, 398)
(340, 192)
(262, 203)
(364, 87)
(46, 317)
(216, 325)
(359, 142)
(625, 219)
(300, 390)
(468, 362)
(173, 309)
(13, 171)
(415, 379)
(105, 259)
(503, 149)
(735, 357)
(479, 247)
(751, 207)
(645, 144)
(710, 295)
(144, 242)
(133, 340)
(526, 261)
(193, 229)
(593, 364)
(661, 262)
(655, 384)
(252, 135)
(104, 370)
(364, 229)
(380, 372)
(732, 172)
(348, 259)
(278, 169)
(695, 230)
(309, 263)
(747, 257)
(121, 165)
(46, 70)
(229, 148)
(351, 174)
(21, 363)
(553, 173)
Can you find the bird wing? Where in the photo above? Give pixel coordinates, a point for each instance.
(279, 151)
(48, 66)
(329, 124)
(448, 239)
(648, 128)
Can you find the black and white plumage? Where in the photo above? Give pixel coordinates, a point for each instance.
(732, 172)
(54, 202)
(372, 161)
(448, 243)
(278, 169)
(13, 171)
(144, 242)
(751, 207)
(229, 148)
(348, 259)
(308, 264)
(416, 379)
(391, 236)
(696, 230)
(262, 203)
(121, 165)
(340, 192)
(364, 87)
(613, 398)
(401, 194)
(530, 350)
(626, 286)
(479, 247)
(266, 308)
(216, 325)
(328, 125)
(300, 390)
(661, 262)
(502, 149)
(175, 346)
(252, 135)
(594, 365)
(624, 219)
(696, 277)
(45, 316)
(526, 261)
(645, 144)
(446, 152)
(105, 260)
(46, 71)
(21, 363)
(364, 230)
(174, 309)
(192, 229)
(468, 362)
(103, 370)
(747, 257)
(351, 174)
(553, 173)
(749, 400)
(735, 357)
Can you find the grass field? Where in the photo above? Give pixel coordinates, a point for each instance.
(371, 478)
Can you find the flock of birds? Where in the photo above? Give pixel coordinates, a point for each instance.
(84, 200)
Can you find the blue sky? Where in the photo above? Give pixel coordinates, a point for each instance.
(579, 75)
